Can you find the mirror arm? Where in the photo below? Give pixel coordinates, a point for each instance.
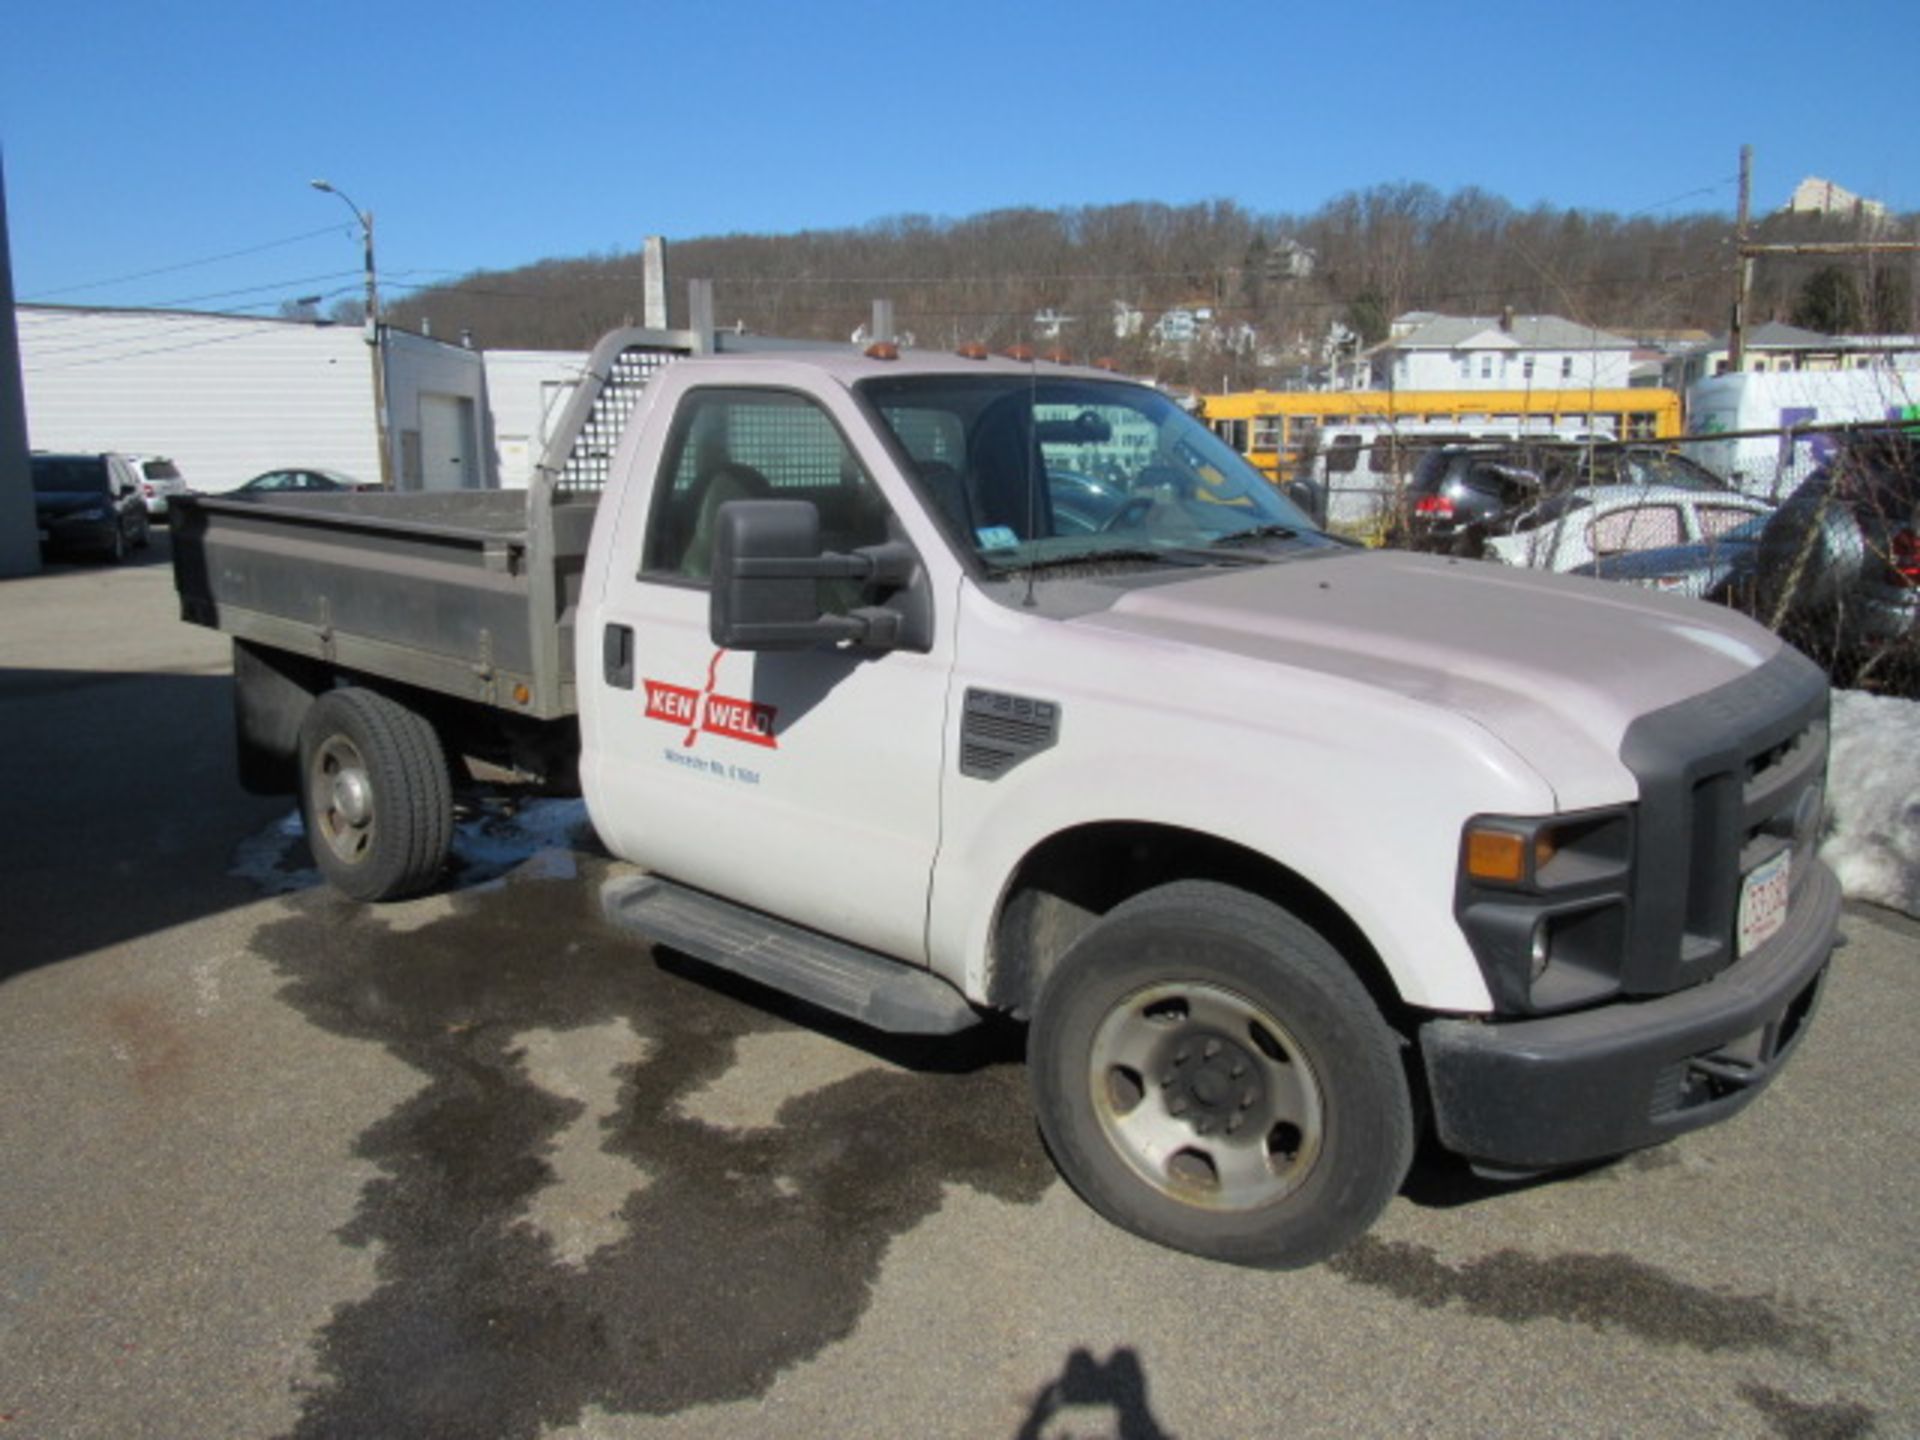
(890, 563)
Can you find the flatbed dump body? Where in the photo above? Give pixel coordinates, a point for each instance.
(468, 594)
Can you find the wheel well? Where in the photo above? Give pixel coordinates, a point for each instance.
(273, 689)
(1070, 880)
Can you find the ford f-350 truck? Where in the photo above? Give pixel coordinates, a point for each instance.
(927, 686)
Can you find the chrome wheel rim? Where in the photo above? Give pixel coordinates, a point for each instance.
(1206, 1096)
(342, 799)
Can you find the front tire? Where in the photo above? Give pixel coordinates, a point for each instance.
(375, 795)
(1210, 1074)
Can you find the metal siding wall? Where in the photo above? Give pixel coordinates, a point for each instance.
(522, 419)
(416, 366)
(226, 397)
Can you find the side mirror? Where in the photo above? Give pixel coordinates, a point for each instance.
(767, 565)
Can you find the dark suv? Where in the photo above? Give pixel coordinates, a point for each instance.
(1838, 567)
(88, 504)
(1459, 495)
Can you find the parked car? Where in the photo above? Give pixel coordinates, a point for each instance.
(1598, 522)
(88, 504)
(295, 482)
(160, 481)
(1460, 495)
(1839, 564)
(1718, 567)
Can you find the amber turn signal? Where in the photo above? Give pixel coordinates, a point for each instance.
(1497, 855)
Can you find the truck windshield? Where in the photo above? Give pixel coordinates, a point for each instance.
(1040, 470)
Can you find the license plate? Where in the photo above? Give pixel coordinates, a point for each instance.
(1763, 902)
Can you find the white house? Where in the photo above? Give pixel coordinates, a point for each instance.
(1424, 351)
(230, 396)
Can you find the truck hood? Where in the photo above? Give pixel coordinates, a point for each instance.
(1554, 666)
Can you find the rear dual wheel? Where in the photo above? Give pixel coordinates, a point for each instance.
(1210, 1074)
(375, 795)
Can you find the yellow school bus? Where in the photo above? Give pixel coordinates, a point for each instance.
(1271, 427)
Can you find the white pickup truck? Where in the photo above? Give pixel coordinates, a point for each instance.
(923, 686)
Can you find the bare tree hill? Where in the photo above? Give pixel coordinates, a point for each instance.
(1274, 283)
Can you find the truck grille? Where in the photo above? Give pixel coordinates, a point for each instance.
(1727, 780)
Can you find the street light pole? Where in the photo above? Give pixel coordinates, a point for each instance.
(374, 341)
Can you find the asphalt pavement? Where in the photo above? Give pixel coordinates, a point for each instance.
(276, 1164)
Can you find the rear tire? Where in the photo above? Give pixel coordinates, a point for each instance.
(375, 794)
(1210, 1074)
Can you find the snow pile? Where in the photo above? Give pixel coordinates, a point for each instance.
(276, 859)
(1873, 799)
(537, 839)
(504, 836)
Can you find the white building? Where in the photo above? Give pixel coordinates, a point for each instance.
(227, 397)
(528, 392)
(1814, 196)
(1771, 464)
(1424, 351)
(1774, 347)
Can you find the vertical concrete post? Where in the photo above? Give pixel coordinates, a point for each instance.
(654, 269)
(19, 531)
(700, 315)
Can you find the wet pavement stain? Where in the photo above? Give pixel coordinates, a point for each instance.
(1793, 1420)
(740, 1252)
(1600, 1291)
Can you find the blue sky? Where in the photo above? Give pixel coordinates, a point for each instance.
(149, 137)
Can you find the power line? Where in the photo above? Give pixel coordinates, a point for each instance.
(185, 264)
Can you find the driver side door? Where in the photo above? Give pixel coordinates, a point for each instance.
(801, 783)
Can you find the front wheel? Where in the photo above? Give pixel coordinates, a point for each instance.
(1210, 1074)
(375, 795)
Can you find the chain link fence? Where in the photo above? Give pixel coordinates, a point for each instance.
(1815, 534)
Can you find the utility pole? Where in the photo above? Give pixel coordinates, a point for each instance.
(1742, 266)
(1745, 249)
(376, 347)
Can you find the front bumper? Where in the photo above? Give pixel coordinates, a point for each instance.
(1537, 1094)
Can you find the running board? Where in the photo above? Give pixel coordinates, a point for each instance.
(859, 984)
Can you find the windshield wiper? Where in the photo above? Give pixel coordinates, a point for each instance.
(1091, 558)
(1258, 532)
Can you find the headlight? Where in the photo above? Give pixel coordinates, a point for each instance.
(1543, 901)
(1541, 852)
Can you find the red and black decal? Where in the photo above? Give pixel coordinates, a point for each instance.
(709, 711)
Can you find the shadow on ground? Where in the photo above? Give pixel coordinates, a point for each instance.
(122, 808)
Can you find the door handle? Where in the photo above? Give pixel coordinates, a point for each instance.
(616, 656)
